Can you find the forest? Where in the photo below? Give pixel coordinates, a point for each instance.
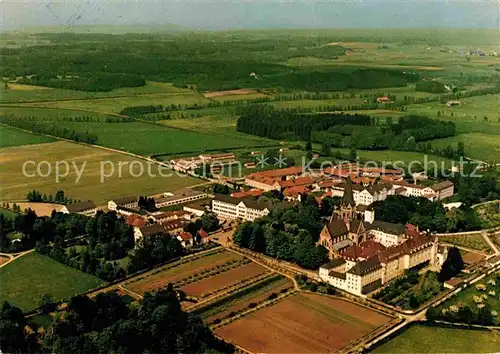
(102, 63)
(108, 324)
(289, 234)
(94, 82)
(342, 129)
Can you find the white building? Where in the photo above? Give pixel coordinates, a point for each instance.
(364, 195)
(361, 269)
(180, 197)
(87, 208)
(124, 202)
(233, 208)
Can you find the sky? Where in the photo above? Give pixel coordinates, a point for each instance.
(251, 14)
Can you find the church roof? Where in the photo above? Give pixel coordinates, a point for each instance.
(348, 197)
(337, 228)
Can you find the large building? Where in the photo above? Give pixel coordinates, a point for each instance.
(123, 203)
(180, 197)
(234, 208)
(87, 208)
(367, 253)
(438, 191)
(215, 161)
(273, 179)
(364, 195)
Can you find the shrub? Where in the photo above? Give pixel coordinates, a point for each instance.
(272, 296)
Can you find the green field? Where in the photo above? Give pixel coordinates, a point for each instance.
(26, 279)
(28, 93)
(14, 184)
(483, 147)
(7, 213)
(115, 105)
(140, 137)
(15, 137)
(427, 339)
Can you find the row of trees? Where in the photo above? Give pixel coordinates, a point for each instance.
(139, 110)
(106, 323)
(49, 129)
(59, 198)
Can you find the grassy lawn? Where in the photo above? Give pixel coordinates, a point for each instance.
(411, 291)
(489, 214)
(7, 213)
(427, 339)
(475, 241)
(489, 295)
(15, 137)
(32, 275)
(98, 162)
(143, 138)
(484, 147)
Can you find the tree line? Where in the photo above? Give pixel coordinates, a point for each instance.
(93, 82)
(51, 129)
(107, 323)
(342, 129)
(58, 198)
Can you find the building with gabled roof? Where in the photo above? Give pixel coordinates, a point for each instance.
(367, 253)
(129, 202)
(233, 208)
(186, 239)
(87, 208)
(148, 231)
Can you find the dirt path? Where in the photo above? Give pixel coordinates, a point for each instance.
(13, 256)
(490, 243)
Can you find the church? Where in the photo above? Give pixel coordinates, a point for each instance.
(366, 253)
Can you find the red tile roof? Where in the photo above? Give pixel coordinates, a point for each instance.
(295, 191)
(299, 181)
(186, 236)
(249, 193)
(135, 220)
(295, 170)
(203, 233)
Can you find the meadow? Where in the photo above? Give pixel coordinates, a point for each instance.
(14, 137)
(138, 137)
(432, 339)
(115, 105)
(26, 279)
(31, 93)
(474, 241)
(15, 184)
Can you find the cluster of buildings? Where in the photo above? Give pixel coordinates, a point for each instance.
(146, 224)
(215, 161)
(366, 254)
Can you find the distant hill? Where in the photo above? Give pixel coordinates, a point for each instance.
(105, 29)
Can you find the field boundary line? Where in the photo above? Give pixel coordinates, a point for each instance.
(266, 303)
(227, 292)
